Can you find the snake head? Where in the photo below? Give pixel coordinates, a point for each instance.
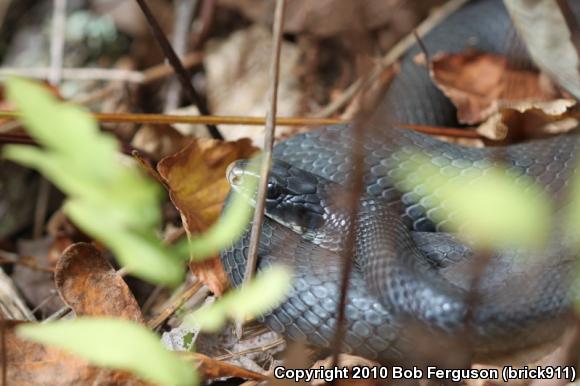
(294, 197)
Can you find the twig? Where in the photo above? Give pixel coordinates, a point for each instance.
(164, 70)
(88, 74)
(198, 119)
(183, 13)
(175, 305)
(263, 348)
(423, 48)
(443, 131)
(53, 293)
(27, 261)
(58, 314)
(180, 71)
(212, 368)
(392, 56)
(57, 41)
(205, 16)
(163, 119)
(151, 298)
(268, 144)
(150, 75)
(355, 182)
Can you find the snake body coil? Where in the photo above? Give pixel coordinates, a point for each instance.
(409, 280)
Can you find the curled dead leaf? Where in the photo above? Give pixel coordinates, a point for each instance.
(90, 286)
(479, 84)
(525, 120)
(195, 177)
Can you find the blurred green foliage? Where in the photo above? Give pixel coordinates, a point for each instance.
(116, 343)
(491, 208)
(107, 198)
(270, 287)
(110, 200)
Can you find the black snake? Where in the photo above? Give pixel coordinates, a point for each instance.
(409, 282)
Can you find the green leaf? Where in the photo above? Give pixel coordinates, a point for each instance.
(109, 199)
(259, 296)
(490, 208)
(117, 344)
(140, 253)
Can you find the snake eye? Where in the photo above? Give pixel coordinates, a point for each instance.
(274, 191)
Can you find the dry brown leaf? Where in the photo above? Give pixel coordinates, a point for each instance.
(237, 85)
(304, 16)
(91, 287)
(197, 186)
(30, 364)
(479, 84)
(526, 120)
(158, 140)
(211, 273)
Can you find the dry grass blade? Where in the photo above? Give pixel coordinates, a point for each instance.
(179, 301)
(356, 184)
(57, 41)
(162, 119)
(180, 70)
(212, 368)
(268, 142)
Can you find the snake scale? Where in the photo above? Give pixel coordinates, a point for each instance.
(416, 293)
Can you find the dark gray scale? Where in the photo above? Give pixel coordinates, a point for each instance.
(425, 278)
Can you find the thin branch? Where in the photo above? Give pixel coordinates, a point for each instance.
(57, 41)
(423, 48)
(180, 70)
(266, 160)
(198, 119)
(212, 368)
(356, 184)
(175, 305)
(264, 348)
(26, 261)
(163, 119)
(88, 74)
(183, 13)
(150, 75)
